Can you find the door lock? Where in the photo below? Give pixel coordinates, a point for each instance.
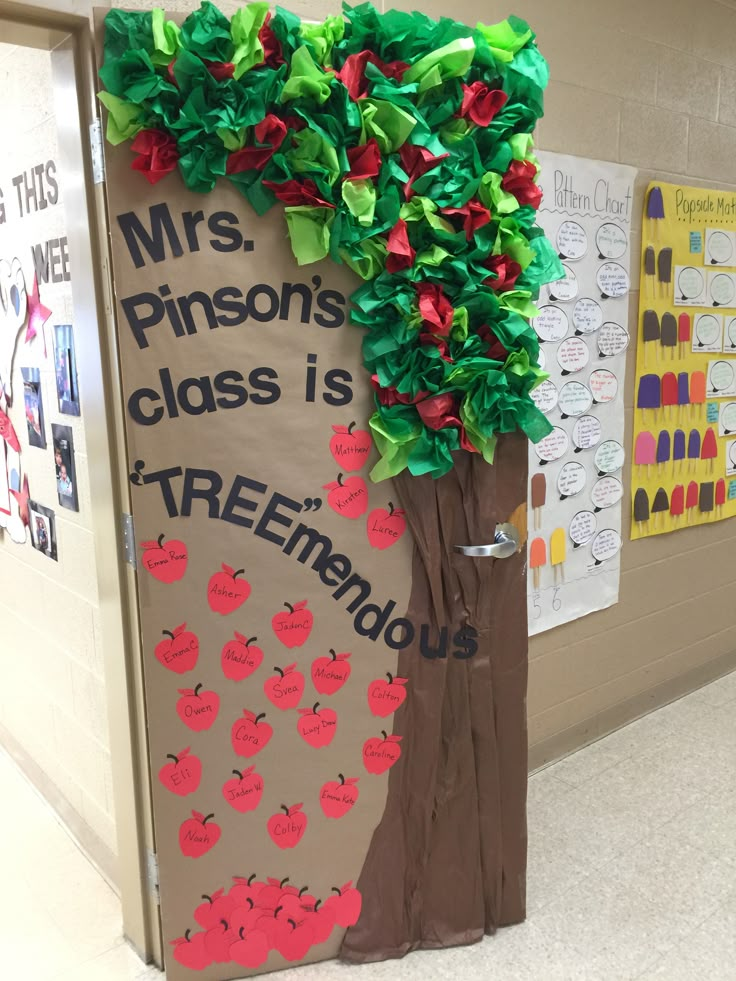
(505, 544)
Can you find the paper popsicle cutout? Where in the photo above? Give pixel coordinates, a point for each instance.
(678, 448)
(655, 209)
(669, 391)
(691, 501)
(645, 449)
(693, 448)
(720, 495)
(664, 448)
(558, 551)
(677, 502)
(537, 558)
(539, 497)
(683, 391)
(649, 394)
(650, 269)
(650, 333)
(684, 332)
(705, 499)
(668, 336)
(661, 504)
(697, 390)
(664, 269)
(709, 449)
(641, 507)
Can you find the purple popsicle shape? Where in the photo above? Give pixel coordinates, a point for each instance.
(693, 445)
(678, 445)
(683, 388)
(649, 396)
(663, 446)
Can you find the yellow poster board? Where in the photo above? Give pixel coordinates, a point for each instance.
(684, 454)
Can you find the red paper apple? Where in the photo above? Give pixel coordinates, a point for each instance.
(179, 650)
(294, 942)
(244, 891)
(293, 627)
(287, 829)
(225, 592)
(384, 697)
(183, 775)
(295, 902)
(196, 836)
(385, 528)
(337, 796)
(347, 904)
(214, 909)
(196, 708)
(166, 561)
(317, 728)
(348, 498)
(285, 690)
(240, 658)
(322, 920)
(380, 755)
(350, 446)
(190, 951)
(245, 791)
(249, 735)
(270, 894)
(218, 940)
(251, 949)
(329, 674)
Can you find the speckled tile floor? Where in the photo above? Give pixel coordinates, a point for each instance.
(632, 872)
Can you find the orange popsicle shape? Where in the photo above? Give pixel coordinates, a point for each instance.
(537, 558)
(557, 551)
(697, 389)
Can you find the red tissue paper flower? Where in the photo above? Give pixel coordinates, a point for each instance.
(157, 154)
(270, 132)
(220, 70)
(416, 160)
(400, 253)
(365, 161)
(435, 308)
(272, 53)
(481, 103)
(294, 192)
(519, 181)
(352, 73)
(475, 216)
(392, 396)
(495, 351)
(507, 271)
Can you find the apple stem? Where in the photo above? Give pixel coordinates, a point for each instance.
(293, 924)
(317, 905)
(383, 733)
(283, 882)
(316, 706)
(186, 936)
(241, 932)
(339, 479)
(285, 809)
(251, 878)
(238, 573)
(252, 904)
(251, 640)
(208, 898)
(350, 428)
(335, 889)
(196, 690)
(238, 774)
(303, 890)
(160, 541)
(207, 818)
(225, 924)
(390, 677)
(289, 607)
(277, 911)
(261, 716)
(168, 633)
(279, 671)
(170, 756)
(334, 656)
(390, 509)
(342, 778)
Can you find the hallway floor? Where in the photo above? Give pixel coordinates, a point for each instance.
(632, 872)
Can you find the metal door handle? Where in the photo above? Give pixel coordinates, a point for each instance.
(506, 543)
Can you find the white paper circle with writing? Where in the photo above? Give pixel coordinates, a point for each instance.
(566, 288)
(586, 432)
(575, 399)
(606, 492)
(582, 527)
(587, 316)
(571, 480)
(612, 339)
(708, 331)
(553, 446)
(720, 249)
(609, 457)
(551, 324)
(572, 240)
(611, 241)
(572, 355)
(606, 545)
(720, 376)
(545, 396)
(612, 279)
(732, 455)
(722, 290)
(603, 385)
(728, 418)
(729, 340)
(690, 283)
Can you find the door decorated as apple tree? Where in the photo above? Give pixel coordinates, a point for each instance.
(325, 257)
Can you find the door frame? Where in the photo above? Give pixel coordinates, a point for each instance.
(69, 39)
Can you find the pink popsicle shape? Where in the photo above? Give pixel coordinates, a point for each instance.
(693, 445)
(669, 388)
(693, 495)
(649, 396)
(645, 449)
(709, 449)
(720, 492)
(683, 388)
(697, 387)
(677, 501)
(684, 328)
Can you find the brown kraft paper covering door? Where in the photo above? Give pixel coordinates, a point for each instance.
(447, 864)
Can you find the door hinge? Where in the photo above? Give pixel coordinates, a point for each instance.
(98, 153)
(152, 875)
(129, 540)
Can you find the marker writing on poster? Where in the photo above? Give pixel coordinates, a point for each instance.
(270, 515)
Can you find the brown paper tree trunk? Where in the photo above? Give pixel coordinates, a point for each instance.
(447, 863)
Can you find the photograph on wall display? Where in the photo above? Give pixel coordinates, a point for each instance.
(66, 477)
(4, 482)
(65, 365)
(33, 398)
(43, 529)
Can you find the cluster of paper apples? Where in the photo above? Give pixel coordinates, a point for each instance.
(245, 923)
(348, 496)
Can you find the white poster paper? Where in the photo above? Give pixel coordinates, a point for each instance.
(575, 474)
